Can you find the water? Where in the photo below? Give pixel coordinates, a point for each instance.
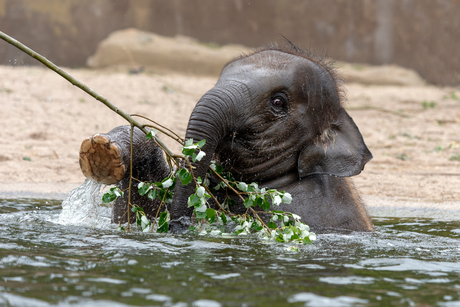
(45, 262)
(81, 206)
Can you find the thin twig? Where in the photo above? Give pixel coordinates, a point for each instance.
(158, 211)
(121, 219)
(191, 170)
(168, 154)
(227, 183)
(216, 201)
(241, 197)
(175, 136)
(130, 174)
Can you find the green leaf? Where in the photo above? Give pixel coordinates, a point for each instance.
(212, 220)
(167, 198)
(224, 218)
(193, 201)
(230, 177)
(168, 182)
(231, 202)
(255, 187)
(242, 186)
(235, 219)
(200, 215)
(210, 213)
(248, 203)
(219, 168)
(306, 240)
(108, 197)
(259, 201)
(192, 228)
(188, 151)
(256, 226)
(184, 176)
(117, 192)
(163, 228)
(266, 205)
(152, 194)
(201, 154)
(136, 209)
(201, 143)
(151, 134)
(163, 218)
(272, 225)
(143, 188)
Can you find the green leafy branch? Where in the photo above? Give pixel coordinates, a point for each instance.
(283, 227)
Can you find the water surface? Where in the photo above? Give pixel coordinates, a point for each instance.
(43, 262)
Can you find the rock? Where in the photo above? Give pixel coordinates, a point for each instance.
(379, 75)
(135, 48)
(138, 49)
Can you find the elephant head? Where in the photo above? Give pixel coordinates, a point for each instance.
(275, 115)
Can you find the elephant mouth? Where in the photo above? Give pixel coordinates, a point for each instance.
(261, 161)
(281, 181)
(260, 169)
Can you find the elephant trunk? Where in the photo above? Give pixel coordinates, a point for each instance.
(211, 120)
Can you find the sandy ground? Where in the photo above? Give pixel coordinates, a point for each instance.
(413, 133)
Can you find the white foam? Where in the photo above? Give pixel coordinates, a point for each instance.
(82, 206)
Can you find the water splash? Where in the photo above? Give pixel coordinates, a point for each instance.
(82, 206)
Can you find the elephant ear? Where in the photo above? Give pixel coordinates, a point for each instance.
(340, 151)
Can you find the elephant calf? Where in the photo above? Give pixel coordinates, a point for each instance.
(274, 117)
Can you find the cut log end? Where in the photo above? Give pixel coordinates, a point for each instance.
(100, 159)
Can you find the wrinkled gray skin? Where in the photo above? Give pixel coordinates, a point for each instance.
(275, 117)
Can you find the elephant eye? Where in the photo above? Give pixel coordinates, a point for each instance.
(279, 102)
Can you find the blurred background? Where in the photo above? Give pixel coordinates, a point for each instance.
(423, 35)
(399, 59)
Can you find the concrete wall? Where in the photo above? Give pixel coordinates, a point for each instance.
(419, 34)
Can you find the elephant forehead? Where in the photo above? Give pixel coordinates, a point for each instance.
(270, 58)
(267, 63)
(269, 69)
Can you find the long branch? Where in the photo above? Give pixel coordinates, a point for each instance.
(80, 85)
